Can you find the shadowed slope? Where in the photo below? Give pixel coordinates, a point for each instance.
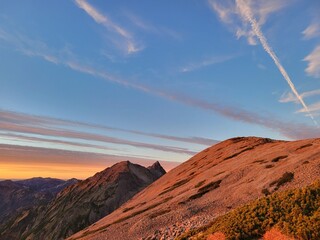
(19, 200)
(15, 195)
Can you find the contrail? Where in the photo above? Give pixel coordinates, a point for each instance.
(247, 13)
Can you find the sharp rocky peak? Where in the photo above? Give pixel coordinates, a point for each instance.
(157, 169)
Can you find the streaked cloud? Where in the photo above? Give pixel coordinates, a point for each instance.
(146, 26)
(71, 135)
(261, 66)
(313, 59)
(287, 129)
(131, 46)
(28, 46)
(48, 122)
(95, 14)
(20, 137)
(312, 31)
(290, 130)
(35, 48)
(196, 140)
(315, 107)
(289, 97)
(228, 12)
(205, 63)
(252, 15)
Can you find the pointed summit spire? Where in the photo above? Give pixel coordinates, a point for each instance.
(157, 169)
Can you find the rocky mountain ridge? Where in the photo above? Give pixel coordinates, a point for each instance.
(210, 184)
(17, 195)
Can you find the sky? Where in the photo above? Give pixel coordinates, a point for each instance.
(87, 83)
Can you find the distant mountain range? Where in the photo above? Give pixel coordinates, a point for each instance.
(17, 195)
(19, 198)
(77, 205)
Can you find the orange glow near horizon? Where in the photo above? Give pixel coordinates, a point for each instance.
(62, 171)
(26, 162)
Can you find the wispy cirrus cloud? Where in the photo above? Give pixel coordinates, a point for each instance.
(289, 130)
(252, 14)
(48, 122)
(19, 137)
(313, 59)
(314, 108)
(70, 134)
(99, 17)
(35, 48)
(131, 46)
(28, 46)
(290, 97)
(151, 28)
(205, 63)
(229, 12)
(312, 31)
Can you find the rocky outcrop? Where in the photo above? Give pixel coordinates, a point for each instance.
(156, 169)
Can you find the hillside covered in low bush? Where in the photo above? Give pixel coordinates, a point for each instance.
(295, 213)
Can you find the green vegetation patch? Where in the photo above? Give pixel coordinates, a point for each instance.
(205, 189)
(159, 213)
(277, 159)
(237, 139)
(199, 184)
(269, 166)
(104, 228)
(286, 177)
(265, 191)
(176, 185)
(296, 213)
(259, 161)
(238, 153)
(304, 146)
(138, 212)
(219, 173)
(127, 209)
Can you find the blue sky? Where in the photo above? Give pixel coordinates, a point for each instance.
(157, 80)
